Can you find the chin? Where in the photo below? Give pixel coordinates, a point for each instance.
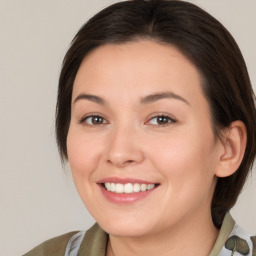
(125, 227)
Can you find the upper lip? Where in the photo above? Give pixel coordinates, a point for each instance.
(125, 180)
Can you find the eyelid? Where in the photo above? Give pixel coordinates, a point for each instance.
(155, 115)
(172, 120)
(82, 120)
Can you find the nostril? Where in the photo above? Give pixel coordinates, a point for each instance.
(127, 162)
(120, 162)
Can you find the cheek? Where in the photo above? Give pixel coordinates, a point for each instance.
(83, 153)
(185, 161)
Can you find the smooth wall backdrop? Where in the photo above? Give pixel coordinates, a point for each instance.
(37, 197)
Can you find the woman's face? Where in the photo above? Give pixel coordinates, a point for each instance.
(141, 127)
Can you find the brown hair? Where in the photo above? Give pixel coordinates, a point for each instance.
(203, 40)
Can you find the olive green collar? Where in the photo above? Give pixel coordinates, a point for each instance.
(226, 228)
(94, 242)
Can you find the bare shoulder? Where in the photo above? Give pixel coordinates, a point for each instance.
(55, 246)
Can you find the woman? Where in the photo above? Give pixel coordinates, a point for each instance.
(156, 118)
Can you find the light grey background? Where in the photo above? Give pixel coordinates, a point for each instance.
(37, 199)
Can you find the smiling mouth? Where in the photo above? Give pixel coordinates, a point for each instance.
(127, 188)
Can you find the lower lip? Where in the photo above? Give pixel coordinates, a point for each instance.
(123, 198)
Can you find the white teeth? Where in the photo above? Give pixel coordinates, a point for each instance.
(150, 186)
(143, 187)
(113, 187)
(119, 188)
(128, 187)
(108, 186)
(136, 187)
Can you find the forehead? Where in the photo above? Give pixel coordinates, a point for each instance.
(134, 68)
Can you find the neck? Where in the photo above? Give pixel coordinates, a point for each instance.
(187, 238)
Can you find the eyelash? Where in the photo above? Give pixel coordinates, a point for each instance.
(83, 120)
(169, 119)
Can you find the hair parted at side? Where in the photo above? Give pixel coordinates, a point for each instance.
(204, 41)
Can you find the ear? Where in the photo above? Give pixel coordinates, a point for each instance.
(234, 144)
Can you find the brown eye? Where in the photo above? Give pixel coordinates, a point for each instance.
(161, 120)
(94, 120)
(97, 120)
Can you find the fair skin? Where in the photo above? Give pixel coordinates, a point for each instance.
(120, 133)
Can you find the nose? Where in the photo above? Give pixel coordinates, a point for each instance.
(124, 148)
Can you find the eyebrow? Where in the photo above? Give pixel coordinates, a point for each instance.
(162, 95)
(90, 97)
(144, 100)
